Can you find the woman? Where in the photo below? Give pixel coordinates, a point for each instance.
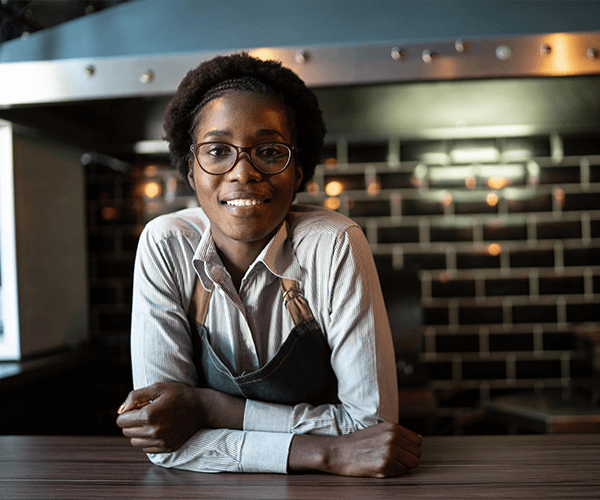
(260, 341)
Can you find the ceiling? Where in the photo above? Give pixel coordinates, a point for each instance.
(18, 18)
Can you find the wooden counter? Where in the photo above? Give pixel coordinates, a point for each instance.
(504, 467)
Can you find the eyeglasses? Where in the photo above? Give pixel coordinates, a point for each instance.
(218, 158)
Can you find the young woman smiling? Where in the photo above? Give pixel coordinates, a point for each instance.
(260, 340)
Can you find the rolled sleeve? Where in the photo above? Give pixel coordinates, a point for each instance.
(267, 417)
(266, 452)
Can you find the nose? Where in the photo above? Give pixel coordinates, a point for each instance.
(243, 171)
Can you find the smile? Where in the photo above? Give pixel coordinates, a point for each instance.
(244, 203)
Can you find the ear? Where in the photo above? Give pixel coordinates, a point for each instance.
(190, 174)
(299, 177)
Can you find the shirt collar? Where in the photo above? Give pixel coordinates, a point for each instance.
(278, 257)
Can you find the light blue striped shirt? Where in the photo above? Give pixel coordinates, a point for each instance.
(328, 255)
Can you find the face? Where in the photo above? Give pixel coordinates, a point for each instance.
(243, 205)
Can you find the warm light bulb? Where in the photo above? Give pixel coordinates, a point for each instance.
(332, 203)
(492, 199)
(494, 249)
(374, 188)
(497, 182)
(152, 189)
(312, 188)
(446, 199)
(334, 188)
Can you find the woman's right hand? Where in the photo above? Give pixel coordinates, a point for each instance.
(175, 413)
(382, 450)
(161, 417)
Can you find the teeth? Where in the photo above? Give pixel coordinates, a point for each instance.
(243, 203)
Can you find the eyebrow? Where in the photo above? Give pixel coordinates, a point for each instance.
(263, 132)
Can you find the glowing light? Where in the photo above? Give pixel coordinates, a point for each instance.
(446, 199)
(494, 249)
(470, 182)
(264, 54)
(491, 199)
(332, 203)
(330, 161)
(445, 278)
(374, 188)
(150, 170)
(312, 188)
(559, 195)
(334, 188)
(109, 213)
(152, 189)
(497, 182)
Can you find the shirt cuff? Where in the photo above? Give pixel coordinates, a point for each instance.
(266, 452)
(268, 417)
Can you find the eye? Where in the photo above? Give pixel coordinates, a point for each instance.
(271, 152)
(216, 150)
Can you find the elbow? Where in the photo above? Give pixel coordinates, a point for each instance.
(166, 460)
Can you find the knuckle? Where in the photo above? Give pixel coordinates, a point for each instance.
(154, 432)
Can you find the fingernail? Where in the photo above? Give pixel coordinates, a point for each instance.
(121, 408)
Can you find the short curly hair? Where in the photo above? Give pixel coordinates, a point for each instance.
(288, 88)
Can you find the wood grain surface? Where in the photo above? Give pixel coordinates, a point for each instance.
(565, 466)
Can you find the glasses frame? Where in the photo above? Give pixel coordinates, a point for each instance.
(238, 151)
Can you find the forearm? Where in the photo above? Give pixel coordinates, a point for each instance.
(225, 450)
(381, 450)
(308, 453)
(222, 411)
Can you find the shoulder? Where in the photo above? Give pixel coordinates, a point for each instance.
(188, 224)
(317, 222)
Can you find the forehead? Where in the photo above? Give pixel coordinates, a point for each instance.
(237, 109)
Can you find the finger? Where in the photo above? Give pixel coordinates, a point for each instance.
(410, 435)
(411, 447)
(140, 432)
(138, 398)
(134, 418)
(394, 468)
(145, 443)
(408, 459)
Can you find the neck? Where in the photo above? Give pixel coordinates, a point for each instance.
(237, 259)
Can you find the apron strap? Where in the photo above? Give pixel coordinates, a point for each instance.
(199, 303)
(294, 301)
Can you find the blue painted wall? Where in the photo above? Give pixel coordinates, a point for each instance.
(148, 27)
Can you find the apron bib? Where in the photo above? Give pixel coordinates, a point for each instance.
(300, 371)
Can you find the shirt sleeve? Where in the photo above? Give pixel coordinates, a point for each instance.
(162, 351)
(358, 332)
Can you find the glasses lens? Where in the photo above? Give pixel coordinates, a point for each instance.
(216, 157)
(270, 158)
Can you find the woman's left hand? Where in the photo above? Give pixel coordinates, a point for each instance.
(161, 417)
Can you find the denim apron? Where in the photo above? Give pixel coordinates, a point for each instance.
(300, 371)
